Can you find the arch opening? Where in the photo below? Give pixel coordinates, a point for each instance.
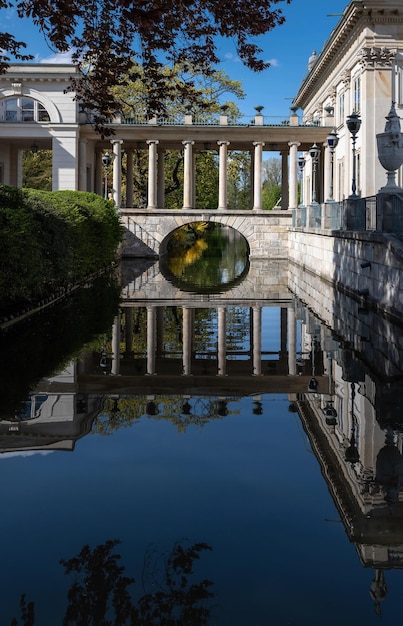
(204, 257)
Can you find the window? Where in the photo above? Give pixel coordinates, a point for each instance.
(357, 94)
(23, 110)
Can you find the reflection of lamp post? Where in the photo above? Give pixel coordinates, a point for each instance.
(314, 154)
(106, 161)
(329, 410)
(353, 125)
(301, 165)
(332, 141)
(351, 454)
(313, 383)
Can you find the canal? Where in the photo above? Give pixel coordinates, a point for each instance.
(181, 454)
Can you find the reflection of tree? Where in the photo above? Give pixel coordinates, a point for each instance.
(100, 593)
(124, 411)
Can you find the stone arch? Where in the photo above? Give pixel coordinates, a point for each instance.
(27, 92)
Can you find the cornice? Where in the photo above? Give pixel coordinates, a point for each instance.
(356, 16)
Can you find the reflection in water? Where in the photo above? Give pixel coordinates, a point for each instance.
(101, 591)
(205, 257)
(221, 396)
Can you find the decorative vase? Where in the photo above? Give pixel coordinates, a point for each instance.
(390, 150)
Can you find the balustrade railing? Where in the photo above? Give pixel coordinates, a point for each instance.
(213, 120)
(383, 213)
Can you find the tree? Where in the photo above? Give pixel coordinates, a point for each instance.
(114, 42)
(272, 175)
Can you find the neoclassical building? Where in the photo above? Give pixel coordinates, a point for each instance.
(360, 69)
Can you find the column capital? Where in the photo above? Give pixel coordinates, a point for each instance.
(223, 142)
(116, 141)
(258, 143)
(188, 142)
(152, 141)
(294, 143)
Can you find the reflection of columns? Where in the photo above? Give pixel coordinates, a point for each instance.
(187, 174)
(152, 173)
(257, 340)
(222, 340)
(151, 333)
(292, 342)
(293, 193)
(222, 175)
(187, 334)
(82, 181)
(129, 178)
(115, 346)
(257, 175)
(128, 330)
(161, 179)
(160, 331)
(98, 173)
(117, 171)
(284, 179)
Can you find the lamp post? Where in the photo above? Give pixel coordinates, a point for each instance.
(353, 124)
(106, 161)
(301, 165)
(332, 141)
(314, 154)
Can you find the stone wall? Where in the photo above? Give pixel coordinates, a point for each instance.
(365, 265)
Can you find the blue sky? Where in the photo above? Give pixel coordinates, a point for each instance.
(288, 48)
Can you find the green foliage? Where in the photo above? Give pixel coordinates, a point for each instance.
(37, 169)
(270, 196)
(50, 240)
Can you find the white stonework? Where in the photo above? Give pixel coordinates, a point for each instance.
(359, 69)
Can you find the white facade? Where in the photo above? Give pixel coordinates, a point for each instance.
(360, 69)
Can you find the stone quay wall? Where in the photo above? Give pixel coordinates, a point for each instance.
(367, 266)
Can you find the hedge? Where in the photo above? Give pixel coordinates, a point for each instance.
(52, 240)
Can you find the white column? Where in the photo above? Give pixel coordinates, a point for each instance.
(257, 340)
(222, 341)
(222, 175)
(129, 178)
(326, 172)
(98, 173)
(161, 178)
(293, 193)
(188, 176)
(152, 173)
(257, 175)
(291, 342)
(117, 171)
(284, 180)
(82, 165)
(151, 339)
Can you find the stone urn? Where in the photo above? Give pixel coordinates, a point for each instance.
(390, 150)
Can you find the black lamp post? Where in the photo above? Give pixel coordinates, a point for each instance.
(332, 141)
(353, 125)
(314, 154)
(106, 161)
(301, 165)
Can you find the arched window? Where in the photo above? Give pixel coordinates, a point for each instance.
(23, 109)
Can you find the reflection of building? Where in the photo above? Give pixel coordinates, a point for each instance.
(53, 417)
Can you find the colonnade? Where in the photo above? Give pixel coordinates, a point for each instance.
(156, 182)
(286, 356)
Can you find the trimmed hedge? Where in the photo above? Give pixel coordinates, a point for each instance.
(52, 240)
